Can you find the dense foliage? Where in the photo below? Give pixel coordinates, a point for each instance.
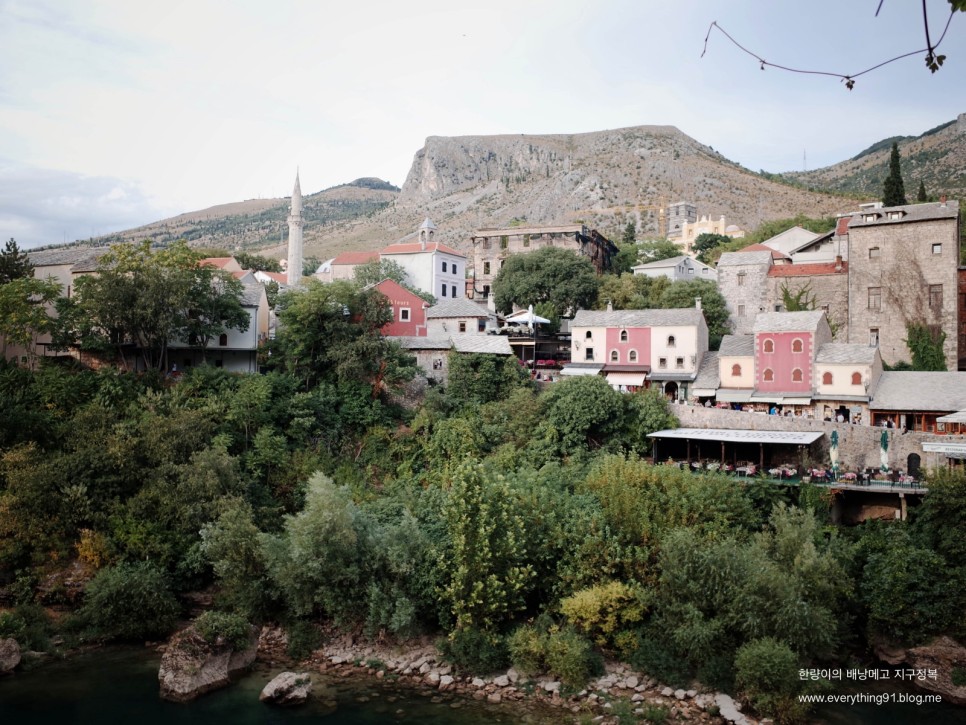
(549, 275)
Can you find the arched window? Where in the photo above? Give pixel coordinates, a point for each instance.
(797, 375)
(623, 335)
(632, 356)
(797, 345)
(856, 378)
(588, 335)
(736, 371)
(614, 356)
(826, 378)
(670, 340)
(769, 375)
(768, 346)
(223, 340)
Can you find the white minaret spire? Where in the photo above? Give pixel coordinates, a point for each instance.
(295, 237)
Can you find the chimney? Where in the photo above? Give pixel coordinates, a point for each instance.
(838, 262)
(942, 201)
(697, 303)
(610, 307)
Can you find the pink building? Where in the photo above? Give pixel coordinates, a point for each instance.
(786, 344)
(408, 310)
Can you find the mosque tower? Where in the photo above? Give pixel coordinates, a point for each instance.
(294, 268)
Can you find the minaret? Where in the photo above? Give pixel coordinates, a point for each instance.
(295, 237)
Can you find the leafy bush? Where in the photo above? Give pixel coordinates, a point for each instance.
(29, 625)
(527, 647)
(130, 601)
(572, 658)
(475, 650)
(303, 639)
(224, 628)
(766, 672)
(605, 611)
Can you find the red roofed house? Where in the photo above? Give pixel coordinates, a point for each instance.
(225, 264)
(344, 265)
(430, 265)
(408, 310)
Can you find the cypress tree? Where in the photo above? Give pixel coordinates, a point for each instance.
(922, 193)
(893, 191)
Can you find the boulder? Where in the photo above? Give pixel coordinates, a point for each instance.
(9, 655)
(190, 666)
(942, 655)
(289, 688)
(728, 709)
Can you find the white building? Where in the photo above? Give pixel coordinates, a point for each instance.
(677, 269)
(430, 265)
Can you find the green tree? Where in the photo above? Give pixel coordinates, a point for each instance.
(130, 601)
(921, 196)
(552, 275)
(257, 262)
(630, 233)
(585, 411)
(704, 243)
(893, 189)
(925, 343)
(377, 270)
(25, 305)
(14, 264)
(479, 378)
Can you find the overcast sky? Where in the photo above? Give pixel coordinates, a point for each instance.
(118, 113)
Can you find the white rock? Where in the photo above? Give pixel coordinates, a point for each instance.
(433, 678)
(512, 675)
(637, 697)
(445, 681)
(424, 668)
(477, 682)
(631, 682)
(728, 709)
(550, 686)
(667, 692)
(691, 693)
(679, 694)
(494, 697)
(501, 681)
(289, 688)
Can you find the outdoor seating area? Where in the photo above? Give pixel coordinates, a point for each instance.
(791, 474)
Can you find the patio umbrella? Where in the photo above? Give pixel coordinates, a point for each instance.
(884, 450)
(833, 451)
(528, 317)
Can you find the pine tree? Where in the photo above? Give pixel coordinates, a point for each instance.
(14, 264)
(922, 193)
(893, 190)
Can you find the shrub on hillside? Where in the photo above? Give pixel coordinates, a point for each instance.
(475, 650)
(130, 601)
(220, 628)
(766, 672)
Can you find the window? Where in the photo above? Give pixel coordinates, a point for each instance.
(223, 340)
(588, 335)
(871, 217)
(875, 298)
(895, 215)
(874, 337)
(769, 375)
(444, 290)
(797, 345)
(670, 340)
(481, 325)
(741, 310)
(614, 356)
(444, 266)
(768, 346)
(741, 279)
(589, 353)
(797, 375)
(662, 362)
(486, 291)
(454, 268)
(936, 296)
(623, 335)
(486, 242)
(874, 252)
(679, 363)
(453, 290)
(856, 378)
(504, 241)
(486, 267)
(632, 356)
(462, 325)
(690, 270)
(736, 371)
(937, 248)
(404, 314)
(826, 378)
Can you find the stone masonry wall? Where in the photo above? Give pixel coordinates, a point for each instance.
(858, 444)
(750, 294)
(830, 290)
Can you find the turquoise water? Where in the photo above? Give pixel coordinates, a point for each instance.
(121, 686)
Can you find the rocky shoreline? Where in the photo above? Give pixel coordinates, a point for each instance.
(419, 665)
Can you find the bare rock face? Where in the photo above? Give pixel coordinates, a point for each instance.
(942, 655)
(190, 666)
(289, 688)
(9, 655)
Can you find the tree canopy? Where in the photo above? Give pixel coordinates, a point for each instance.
(552, 275)
(704, 243)
(893, 189)
(14, 264)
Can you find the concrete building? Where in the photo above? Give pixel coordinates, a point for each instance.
(430, 265)
(903, 265)
(677, 269)
(344, 266)
(491, 247)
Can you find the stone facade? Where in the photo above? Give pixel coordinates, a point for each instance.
(678, 215)
(743, 282)
(903, 265)
(827, 284)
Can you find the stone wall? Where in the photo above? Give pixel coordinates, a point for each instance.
(858, 444)
(745, 290)
(829, 291)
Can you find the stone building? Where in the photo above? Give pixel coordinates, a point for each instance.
(678, 215)
(743, 282)
(822, 284)
(903, 263)
(491, 247)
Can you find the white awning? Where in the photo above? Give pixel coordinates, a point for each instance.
(950, 450)
(573, 370)
(626, 378)
(733, 396)
(741, 435)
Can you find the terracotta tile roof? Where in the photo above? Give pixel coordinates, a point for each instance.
(280, 277)
(219, 262)
(356, 258)
(842, 226)
(416, 248)
(808, 269)
(775, 254)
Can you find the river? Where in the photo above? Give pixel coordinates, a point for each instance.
(120, 685)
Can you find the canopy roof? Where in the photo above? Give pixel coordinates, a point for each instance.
(739, 435)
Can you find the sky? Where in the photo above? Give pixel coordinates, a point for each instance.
(116, 113)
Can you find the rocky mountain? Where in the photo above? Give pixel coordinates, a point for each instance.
(937, 158)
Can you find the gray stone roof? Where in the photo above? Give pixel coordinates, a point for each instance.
(66, 255)
(460, 307)
(737, 345)
(670, 262)
(411, 342)
(788, 321)
(491, 344)
(740, 259)
(846, 353)
(913, 213)
(638, 318)
(252, 293)
(707, 377)
(920, 391)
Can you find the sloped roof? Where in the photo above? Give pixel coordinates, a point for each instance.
(460, 307)
(252, 293)
(737, 346)
(411, 342)
(669, 262)
(63, 255)
(219, 262)
(808, 269)
(791, 239)
(489, 344)
(280, 277)
(943, 392)
(910, 213)
(846, 353)
(708, 377)
(417, 248)
(392, 287)
(842, 226)
(638, 318)
(775, 254)
(740, 259)
(355, 258)
(806, 321)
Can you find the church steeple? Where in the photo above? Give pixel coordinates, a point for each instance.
(294, 268)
